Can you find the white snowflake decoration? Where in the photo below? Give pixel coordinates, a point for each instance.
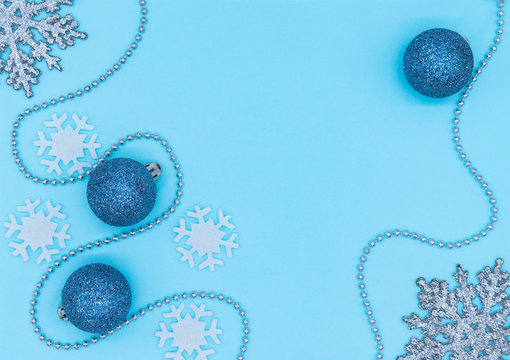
(466, 323)
(205, 238)
(189, 334)
(38, 230)
(33, 25)
(67, 144)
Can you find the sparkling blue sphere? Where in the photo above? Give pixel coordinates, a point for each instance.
(96, 298)
(438, 63)
(121, 192)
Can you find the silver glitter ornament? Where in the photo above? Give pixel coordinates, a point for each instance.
(22, 24)
(468, 322)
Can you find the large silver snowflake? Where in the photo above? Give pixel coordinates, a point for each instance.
(466, 323)
(27, 30)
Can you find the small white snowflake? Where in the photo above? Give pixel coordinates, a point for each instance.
(38, 230)
(205, 238)
(28, 29)
(67, 144)
(189, 333)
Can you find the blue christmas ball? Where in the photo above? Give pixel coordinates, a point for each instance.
(121, 192)
(96, 298)
(438, 63)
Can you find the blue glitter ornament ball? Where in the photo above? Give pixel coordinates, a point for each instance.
(121, 192)
(96, 298)
(438, 63)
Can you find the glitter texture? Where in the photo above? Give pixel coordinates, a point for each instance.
(96, 298)
(121, 192)
(468, 322)
(28, 30)
(438, 63)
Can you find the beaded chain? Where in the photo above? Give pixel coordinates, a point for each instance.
(472, 170)
(115, 238)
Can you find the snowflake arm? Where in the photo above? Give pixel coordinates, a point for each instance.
(163, 334)
(29, 206)
(492, 286)
(53, 165)
(54, 211)
(59, 30)
(43, 143)
(210, 262)
(224, 220)
(92, 146)
(199, 214)
(203, 354)
(62, 236)
(12, 226)
(20, 249)
(200, 310)
(81, 124)
(187, 255)
(230, 244)
(46, 254)
(56, 121)
(213, 331)
(22, 73)
(181, 231)
(78, 166)
(41, 51)
(174, 312)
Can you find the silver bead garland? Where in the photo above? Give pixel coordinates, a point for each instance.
(472, 170)
(115, 238)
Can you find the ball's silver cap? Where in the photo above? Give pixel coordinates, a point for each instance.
(61, 313)
(155, 170)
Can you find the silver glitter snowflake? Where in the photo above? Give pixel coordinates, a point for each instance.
(466, 323)
(189, 335)
(27, 31)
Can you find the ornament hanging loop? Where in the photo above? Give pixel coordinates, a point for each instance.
(155, 170)
(62, 314)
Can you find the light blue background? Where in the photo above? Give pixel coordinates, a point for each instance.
(295, 117)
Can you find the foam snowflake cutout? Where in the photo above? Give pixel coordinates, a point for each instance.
(38, 230)
(189, 335)
(466, 323)
(205, 238)
(67, 144)
(36, 26)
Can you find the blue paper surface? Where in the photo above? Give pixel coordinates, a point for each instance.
(295, 118)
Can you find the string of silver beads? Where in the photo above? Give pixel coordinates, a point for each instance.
(472, 170)
(115, 238)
